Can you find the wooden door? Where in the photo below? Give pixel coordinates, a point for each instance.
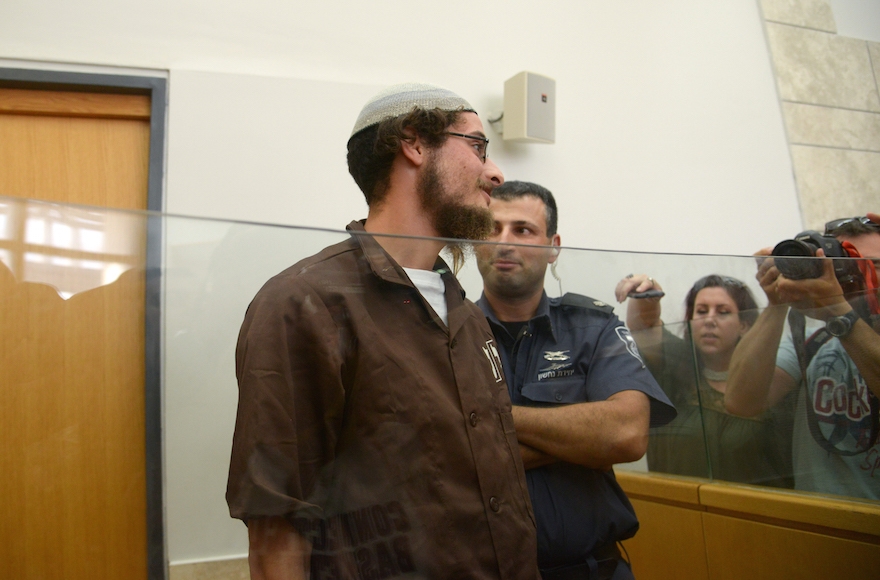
(72, 443)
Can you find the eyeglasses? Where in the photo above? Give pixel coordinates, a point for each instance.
(834, 225)
(481, 146)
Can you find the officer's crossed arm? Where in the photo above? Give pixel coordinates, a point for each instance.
(595, 434)
(533, 458)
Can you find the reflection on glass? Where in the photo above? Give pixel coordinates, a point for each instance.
(212, 269)
(830, 360)
(72, 393)
(71, 249)
(691, 362)
(835, 447)
(707, 441)
(35, 231)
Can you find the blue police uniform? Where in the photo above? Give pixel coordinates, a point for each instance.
(575, 350)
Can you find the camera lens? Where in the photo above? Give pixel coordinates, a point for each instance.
(790, 260)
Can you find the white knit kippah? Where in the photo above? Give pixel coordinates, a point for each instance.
(400, 99)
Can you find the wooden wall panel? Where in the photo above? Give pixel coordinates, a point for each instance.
(669, 544)
(739, 548)
(812, 511)
(695, 528)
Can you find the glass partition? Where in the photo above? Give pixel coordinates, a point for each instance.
(705, 439)
(78, 306)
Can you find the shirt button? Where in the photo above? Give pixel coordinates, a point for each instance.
(494, 504)
(453, 343)
(474, 419)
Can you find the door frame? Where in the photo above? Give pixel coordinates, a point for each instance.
(157, 89)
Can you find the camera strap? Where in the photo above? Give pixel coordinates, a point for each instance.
(869, 273)
(806, 349)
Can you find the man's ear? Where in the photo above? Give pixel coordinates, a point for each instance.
(555, 241)
(413, 148)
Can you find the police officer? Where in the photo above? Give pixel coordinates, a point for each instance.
(583, 399)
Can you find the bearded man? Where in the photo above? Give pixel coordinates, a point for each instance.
(374, 436)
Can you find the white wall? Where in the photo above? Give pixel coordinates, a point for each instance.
(668, 130)
(669, 135)
(263, 149)
(857, 18)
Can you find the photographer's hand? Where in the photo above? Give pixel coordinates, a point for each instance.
(820, 297)
(825, 296)
(768, 276)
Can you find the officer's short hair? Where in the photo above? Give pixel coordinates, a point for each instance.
(511, 190)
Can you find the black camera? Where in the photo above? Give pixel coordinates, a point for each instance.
(792, 257)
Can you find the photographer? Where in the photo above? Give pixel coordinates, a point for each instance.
(834, 446)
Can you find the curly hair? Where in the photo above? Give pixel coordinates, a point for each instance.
(371, 151)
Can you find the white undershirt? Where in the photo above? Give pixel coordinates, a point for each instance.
(432, 288)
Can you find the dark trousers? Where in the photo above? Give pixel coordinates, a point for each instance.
(605, 564)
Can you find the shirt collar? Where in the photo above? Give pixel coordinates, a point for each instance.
(384, 265)
(540, 320)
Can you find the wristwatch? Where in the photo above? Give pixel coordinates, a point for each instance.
(840, 326)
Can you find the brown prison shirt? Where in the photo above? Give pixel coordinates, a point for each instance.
(385, 437)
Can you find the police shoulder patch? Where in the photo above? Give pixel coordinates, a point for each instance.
(580, 301)
(626, 338)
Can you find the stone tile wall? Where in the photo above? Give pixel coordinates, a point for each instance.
(828, 89)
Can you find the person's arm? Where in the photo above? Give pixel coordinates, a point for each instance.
(755, 383)
(643, 316)
(287, 334)
(533, 458)
(276, 551)
(594, 434)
